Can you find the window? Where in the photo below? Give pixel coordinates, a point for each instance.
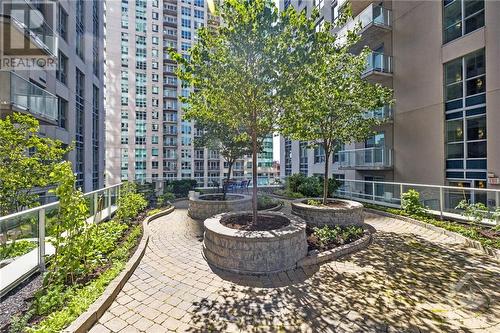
(465, 109)
(62, 67)
(186, 34)
(319, 154)
(80, 28)
(62, 24)
(80, 127)
(62, 112)
(199, 14)
(461, 17)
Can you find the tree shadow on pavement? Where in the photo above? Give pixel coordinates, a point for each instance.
(401, 282)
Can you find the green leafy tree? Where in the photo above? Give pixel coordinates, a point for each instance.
(237, 70)
(231, 143)
(331, 97)
(26, 160)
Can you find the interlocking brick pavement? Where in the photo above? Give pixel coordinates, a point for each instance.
(404, 281)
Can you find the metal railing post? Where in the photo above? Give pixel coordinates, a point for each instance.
(96, 203)
(373, 191)
(400, 195)
(441, 202)
(497, 204)
(41, 239)
(108, 192)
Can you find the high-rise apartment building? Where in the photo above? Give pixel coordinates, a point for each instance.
(441, 60)
(146, 135)
(66, 98)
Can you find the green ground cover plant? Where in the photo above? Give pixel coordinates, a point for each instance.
(474, 232)
(16, 248)
(328, 237)
(87, 256)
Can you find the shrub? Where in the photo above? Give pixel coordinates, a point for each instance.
(474, 211)
(180, 188)
(266, 202)
(293, 182)
(410, 203)
(16, 248)
(311, 187)
(164, 199)
(130, 203)
(313, 202)
(288, 194)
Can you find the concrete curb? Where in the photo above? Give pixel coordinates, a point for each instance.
(469, 242)
(320, 257)
(87, 319)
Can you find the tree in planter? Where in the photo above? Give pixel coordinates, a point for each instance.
(237, 70)
(331, 97)
(26, 160)
(230, 143)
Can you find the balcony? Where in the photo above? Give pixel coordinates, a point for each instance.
(41, 37)
(384, 113)
(378, 68)
(375, 21)
(376, 158)
(357, 6)
(20, 95)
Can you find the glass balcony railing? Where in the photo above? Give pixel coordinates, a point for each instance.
(373, 15)
(382, 113)
(42, 36)
(366, 158)
(27, 96)
(378, 62)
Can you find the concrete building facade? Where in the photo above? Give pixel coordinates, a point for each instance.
(67, 99)
(146, 135)
(441, 60)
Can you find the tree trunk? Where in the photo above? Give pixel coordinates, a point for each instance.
(325, 177)
(254, 176)
(224, 188)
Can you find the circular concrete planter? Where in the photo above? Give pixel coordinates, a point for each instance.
(254, 252)
(317, 216)
(203, 207)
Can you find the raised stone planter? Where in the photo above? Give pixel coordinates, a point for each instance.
(349, 213)
(203, 206)
(254, 252)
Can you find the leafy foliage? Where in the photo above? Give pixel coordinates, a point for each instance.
(238, 70)
(330, 104)
(180, 188)
(298, 185)
(16, 248)
(329, 236)
(130, 203)
(476, 212)
(77, 300)
(266, 202)
(313, 202)
(164, 199)
(473, 232)
(71, 232)
(26, 160)
(410, 202)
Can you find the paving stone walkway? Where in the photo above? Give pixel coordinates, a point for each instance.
(409, 279)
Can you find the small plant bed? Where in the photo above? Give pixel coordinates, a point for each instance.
(265, 202)
(88, 257)
(266, 222)
(327, 238)
(329, 203)
(487, 236)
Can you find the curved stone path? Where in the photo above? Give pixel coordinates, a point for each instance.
(409, 279)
